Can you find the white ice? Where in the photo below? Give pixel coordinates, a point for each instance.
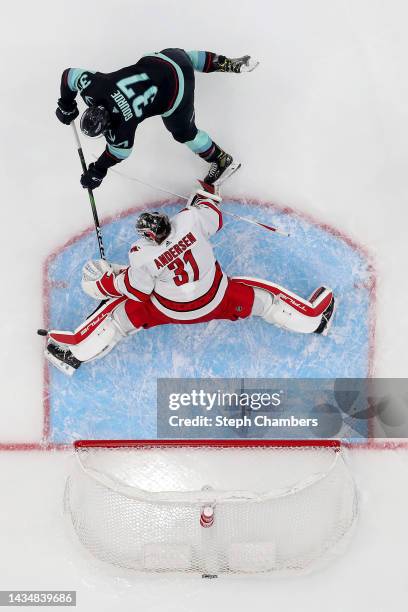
(320, 126)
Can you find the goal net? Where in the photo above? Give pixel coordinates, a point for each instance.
(211, 507)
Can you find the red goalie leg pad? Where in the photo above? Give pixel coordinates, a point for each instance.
(83, 331)
(298, 303)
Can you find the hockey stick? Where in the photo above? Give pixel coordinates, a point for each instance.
(90, 193)
(258, 223)
(183, 197)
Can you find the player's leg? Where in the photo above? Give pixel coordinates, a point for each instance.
(285, 309)
(93, 339)
(247, 297)
(181, 123)
(112, 321)
(207, 61)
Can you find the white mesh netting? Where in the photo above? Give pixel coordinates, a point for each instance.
(274, 508)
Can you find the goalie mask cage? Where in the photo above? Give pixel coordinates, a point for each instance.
(211, 506)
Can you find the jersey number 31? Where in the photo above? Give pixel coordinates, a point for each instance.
(181, 275)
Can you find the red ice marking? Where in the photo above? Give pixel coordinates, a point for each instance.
(34, 446)
(371, 445)
(45, 445)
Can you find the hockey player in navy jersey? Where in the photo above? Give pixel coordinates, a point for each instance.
(158, 84)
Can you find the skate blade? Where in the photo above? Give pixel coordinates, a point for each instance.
(60, 365)
(329, 324)
(250, 67)
(232, 168)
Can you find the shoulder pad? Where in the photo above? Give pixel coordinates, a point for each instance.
(141, 251)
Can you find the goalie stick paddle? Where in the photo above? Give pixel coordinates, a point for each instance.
(90, 193)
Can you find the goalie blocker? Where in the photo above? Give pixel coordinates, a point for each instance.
(173, 278)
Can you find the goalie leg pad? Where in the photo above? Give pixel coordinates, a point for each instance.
(285, 309)
(99, 334)
(98, 344)
(282, 314)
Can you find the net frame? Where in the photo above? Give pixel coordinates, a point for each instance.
(209, 498)
(208, 495)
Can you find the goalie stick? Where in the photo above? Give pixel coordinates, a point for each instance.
(266, 226)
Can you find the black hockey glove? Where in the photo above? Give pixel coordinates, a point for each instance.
(67, 111)
(93, 177)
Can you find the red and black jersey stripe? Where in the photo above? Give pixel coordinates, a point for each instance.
(140, 295)
(198, 303)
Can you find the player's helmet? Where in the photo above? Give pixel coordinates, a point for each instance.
(154, 226)
(94, 121)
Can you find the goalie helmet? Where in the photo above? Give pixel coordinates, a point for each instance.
(95, 121)
(154, 226)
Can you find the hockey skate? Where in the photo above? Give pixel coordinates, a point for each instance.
(221, 169)
(238, 64)
(61, 358)
(327, 315)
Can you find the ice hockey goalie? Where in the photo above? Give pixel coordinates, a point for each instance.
(173, 278)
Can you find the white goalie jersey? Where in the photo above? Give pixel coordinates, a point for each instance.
(181, 276)
(183, 280)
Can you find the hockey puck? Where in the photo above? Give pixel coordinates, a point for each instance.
(42, 332)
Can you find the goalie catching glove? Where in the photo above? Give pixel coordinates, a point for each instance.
(98, 279)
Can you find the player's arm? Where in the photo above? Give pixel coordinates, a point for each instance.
(136, 283)
(119, 145)
(103, 280)
(207, 210)
(72, 80)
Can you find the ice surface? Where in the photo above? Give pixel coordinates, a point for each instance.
(116, 397)
(321, 126)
